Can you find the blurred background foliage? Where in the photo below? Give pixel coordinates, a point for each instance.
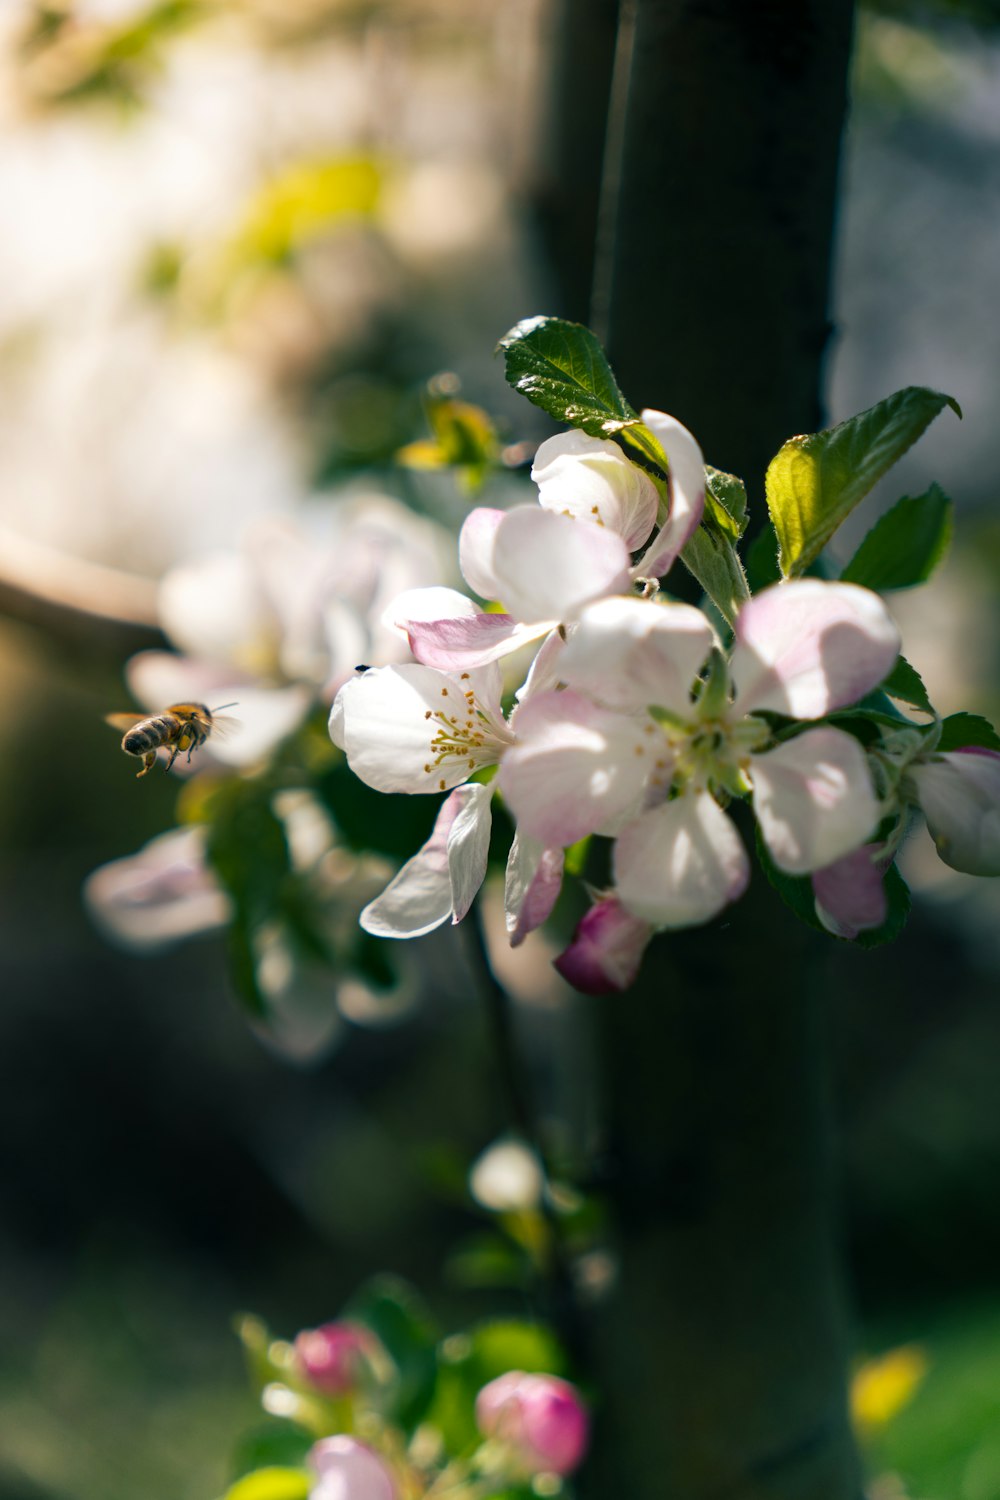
(240, 237)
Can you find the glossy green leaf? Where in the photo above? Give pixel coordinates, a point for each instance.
(959, 730)
(726, 500)
(905, 546)
(815, 481)
(272, 1484)
(905, 683)
(561, 367)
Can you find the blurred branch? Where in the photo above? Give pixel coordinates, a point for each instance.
(94, 609)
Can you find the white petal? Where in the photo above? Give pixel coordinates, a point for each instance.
(469, 845)
(534, 880)
(475, 551)
(216, 607)
(814, 799)
(161, 895)
(392, 721)
(436, 603)
(806, 647)
(592, 480)
(548, 566)
(419, 897)
(632, 653)
(687, 493)
(575, 768)
(960, 797)
(681, 863)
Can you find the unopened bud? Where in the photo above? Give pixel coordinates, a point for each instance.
(349, 1470)
(334, 1357)
(539, 1419)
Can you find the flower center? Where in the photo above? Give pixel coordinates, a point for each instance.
(462, 730)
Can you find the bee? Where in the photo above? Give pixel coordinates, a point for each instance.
(182, 726)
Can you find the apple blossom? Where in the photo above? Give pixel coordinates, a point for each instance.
(606, 950)
(539, 1420)
(335, 1356)
(959, 795)
(850, 893)
(627, 749)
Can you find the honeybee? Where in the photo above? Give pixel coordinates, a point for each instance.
(182, 726)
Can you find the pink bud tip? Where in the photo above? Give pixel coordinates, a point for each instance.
(540, 1419)
(334, 1356)
(349, 1470)
(606, 950)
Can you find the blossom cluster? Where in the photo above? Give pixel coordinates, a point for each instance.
(339, 1385)
(643, 719)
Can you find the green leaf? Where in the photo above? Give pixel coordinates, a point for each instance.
(762, 560)
(905, 546)
(959, 730)
(726, 500)
(898, 894)
(272, 1484)
(814, 482)
(795, 890)
(561, 367)
(712, 559)
(274, 1445)
(394, 1312)
(905, 683)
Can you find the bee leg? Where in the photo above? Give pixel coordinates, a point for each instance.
(148, 762)
(173, 757)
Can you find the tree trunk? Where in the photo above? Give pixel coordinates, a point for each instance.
(721, 1359)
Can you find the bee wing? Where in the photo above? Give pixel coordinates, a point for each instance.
(123, 721)
(223, 725)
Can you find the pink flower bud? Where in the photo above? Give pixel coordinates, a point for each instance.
(606, 950)
(334, 1356)
(539, 1419)
(850, 893)
(349, 1470)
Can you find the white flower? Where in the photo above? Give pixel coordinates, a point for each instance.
(959, 793)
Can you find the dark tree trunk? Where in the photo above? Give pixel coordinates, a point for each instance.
(720, 1360)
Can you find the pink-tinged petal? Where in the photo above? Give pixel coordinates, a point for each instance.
(548, 566)
(814, 799)
(534, 880)
(459, 645)
(412, 729)
(164, 894)
(469, 846)
(475, 550)
(959, 794)
(632, 653)
(850, 893)
(592, 480)
(539, 1419)
(687, 494)
(543, 675)
(437, 603)
(419, 897)
(575, 768)
(606, 952)
(350, 1470)
(681, 863)
(806, 647)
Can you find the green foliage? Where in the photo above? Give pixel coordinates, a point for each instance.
(561, 367)
(797, 893)
(726, 502)
(898, 896)
(761, 562)
(814, 482)
(272, 1484)
(464, 437)
(959, 730)
(272, 1445)
(905, 683)
(905, 546)
(712, 559)
(470, 1361)
(394, 1312)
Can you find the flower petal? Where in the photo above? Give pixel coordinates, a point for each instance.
(850, 893)
(681, 863)
(421, 896)
(457, 645)
(475, 550)
(687, 493)
(534, 880)
(814, 799)
(606, 950)
(437, 603)
(163, 894)
(469, 845)
(806, 647)
(548, 566)
(592, 480)
(631, 653)
(959, 794)
(575, 768)
(411, 729)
